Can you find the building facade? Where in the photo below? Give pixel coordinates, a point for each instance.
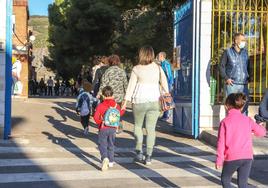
(21, 43)
(199, 88)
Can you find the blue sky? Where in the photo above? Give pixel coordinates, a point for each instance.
(39, 7)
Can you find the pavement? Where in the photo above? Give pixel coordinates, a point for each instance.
(49, 150)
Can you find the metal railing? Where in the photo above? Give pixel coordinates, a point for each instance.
(251, 18)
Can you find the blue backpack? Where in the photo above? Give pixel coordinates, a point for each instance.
(112, 117)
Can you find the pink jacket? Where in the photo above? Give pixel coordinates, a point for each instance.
(235, 137)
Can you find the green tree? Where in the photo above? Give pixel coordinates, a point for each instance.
(77, 31)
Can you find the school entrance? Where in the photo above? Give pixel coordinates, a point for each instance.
(202, 30)
(245, 16)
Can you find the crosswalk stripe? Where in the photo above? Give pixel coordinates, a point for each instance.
(119, 160)
(111, 174)
(158, 149)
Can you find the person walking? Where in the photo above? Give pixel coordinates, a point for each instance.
(42, 86)
(115, 77)
(168, 72)
(50, 85)
(234, 146)
(84, 107)
(143, 92)
(234, 68)
(106, 136)
(98, 76)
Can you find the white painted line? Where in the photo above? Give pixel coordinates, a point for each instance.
(111, 174)
(80, 161)
(158, 149)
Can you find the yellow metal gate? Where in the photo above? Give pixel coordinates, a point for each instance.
(251, 18)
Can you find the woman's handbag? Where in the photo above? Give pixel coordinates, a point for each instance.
(165, 99)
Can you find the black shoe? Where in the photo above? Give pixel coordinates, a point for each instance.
(139, 157)
(259, 119)
(148, 160)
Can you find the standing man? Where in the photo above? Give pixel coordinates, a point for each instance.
(167, 69)
(50, 86)
(234, 68)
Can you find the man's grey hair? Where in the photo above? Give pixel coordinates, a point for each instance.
(163, 54)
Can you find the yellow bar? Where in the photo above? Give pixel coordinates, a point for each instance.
(249, 27)
(237, 13)
(255, 53)
(261, 38)
(266, 50)
(243, 16)
(231, 21)
(225, 24)
(219, 37)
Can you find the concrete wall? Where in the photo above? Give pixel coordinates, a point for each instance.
(2, 62)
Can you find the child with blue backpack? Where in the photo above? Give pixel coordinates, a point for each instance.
(84, 107)
(107, 117)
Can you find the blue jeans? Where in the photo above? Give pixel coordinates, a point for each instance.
(106, 139)
(238, 88)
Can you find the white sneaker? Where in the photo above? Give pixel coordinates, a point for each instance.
(111, 165)
(105, 164)
(86, 131)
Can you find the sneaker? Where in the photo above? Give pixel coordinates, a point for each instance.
(86, 131)
(105, 164)
(139, 157)
(148, 160)
(164, 119)
(111, 164)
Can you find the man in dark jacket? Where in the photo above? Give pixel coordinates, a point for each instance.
(234, 68)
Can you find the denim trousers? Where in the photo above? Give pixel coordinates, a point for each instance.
(236, 88)
(106, 140)
(148, 112)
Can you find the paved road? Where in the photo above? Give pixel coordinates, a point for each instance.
(48, 149)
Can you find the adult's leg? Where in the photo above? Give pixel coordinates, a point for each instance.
(243, 173)
(245, 91)
(150, 123)
(139, 111)
(111, 141)
(228, 170)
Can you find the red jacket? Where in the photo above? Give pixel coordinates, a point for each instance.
(101, 109)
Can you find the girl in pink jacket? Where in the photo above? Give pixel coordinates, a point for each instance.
(234, 151)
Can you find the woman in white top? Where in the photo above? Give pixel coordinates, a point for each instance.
(143, 92)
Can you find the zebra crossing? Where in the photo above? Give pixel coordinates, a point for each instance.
(72, 166)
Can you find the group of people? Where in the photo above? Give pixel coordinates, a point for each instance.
(51, 87)
(234, 147)
(112, 91)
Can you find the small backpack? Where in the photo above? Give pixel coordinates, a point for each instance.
(112, 117)
(84, 108)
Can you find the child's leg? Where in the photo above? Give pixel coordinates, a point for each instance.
(103, 143)
(84, 121)
(111, 140)
(228, 170)
(243, 173)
